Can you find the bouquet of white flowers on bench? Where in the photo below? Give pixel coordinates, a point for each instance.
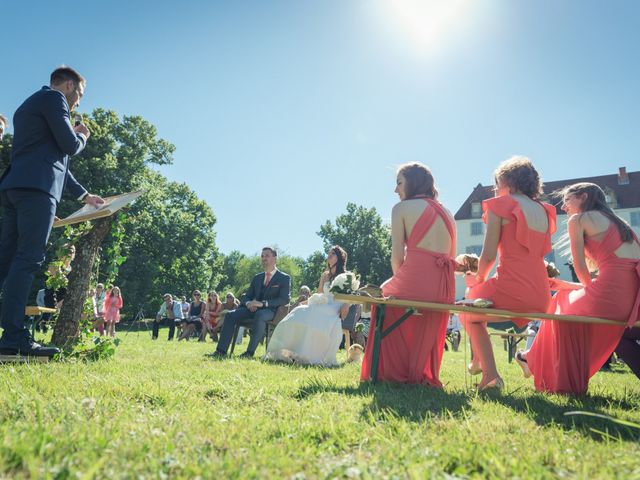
(347, 283)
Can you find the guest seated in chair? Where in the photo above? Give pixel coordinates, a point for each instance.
(171, 310)
(194, 318)
(268, 290)
(303, 295)
(229, 305)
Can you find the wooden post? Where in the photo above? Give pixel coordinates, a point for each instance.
(67, 327)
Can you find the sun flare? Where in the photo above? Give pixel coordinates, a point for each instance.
(425, 23)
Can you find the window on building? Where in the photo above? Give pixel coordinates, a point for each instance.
(476, 228)
(476, 210)
(477, 249)
(635, 219)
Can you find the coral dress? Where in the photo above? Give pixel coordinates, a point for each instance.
(412, 353)
(112, 306)
(520, 283)
(565, 355)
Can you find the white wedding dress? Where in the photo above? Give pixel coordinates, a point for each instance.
(310, 334)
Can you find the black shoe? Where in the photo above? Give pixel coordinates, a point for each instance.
(216, 355)
(32, 349)
(247, 355)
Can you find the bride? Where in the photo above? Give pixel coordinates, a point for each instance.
(311, 334)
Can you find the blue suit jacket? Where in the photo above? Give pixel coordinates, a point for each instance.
(42, 142)
(277, 293)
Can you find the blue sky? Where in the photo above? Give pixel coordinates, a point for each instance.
(284, 111)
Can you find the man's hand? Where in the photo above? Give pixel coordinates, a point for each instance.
(93, 200)
(82, 128)
(253, 305)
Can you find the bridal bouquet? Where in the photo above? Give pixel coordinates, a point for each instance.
(467, 262)
(552, 270)
(347, 282)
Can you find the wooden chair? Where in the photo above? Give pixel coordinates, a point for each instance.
(281, 312)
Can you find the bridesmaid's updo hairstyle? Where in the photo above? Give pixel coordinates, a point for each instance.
(519, 174)
(595, 199)
(418, 180)
(341, 264)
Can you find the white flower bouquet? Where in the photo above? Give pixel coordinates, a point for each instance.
(347, 282)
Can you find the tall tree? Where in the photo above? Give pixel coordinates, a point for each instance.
(366, 239)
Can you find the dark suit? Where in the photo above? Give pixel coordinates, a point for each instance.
(30, 190)
(276, 293)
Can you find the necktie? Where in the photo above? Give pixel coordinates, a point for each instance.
(267, 278)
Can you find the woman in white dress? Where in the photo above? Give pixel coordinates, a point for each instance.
(311, 334)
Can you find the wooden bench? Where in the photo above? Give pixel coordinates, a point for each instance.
(413, 306)
(35, 311)
(511, 341)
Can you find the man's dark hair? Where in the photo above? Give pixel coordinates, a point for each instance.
(272, 250)
(64, 74)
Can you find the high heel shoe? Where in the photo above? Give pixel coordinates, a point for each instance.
(520, 360)
(496, 383)
(474, 369)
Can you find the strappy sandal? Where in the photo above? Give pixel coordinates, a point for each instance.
(520, 360)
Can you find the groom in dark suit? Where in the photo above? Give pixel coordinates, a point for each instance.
(268, 290)
(30, 190)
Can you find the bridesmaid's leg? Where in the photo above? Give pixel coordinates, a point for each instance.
(481, 343)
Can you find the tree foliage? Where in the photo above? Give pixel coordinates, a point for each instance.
(366, 239)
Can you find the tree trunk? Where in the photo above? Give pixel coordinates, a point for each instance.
(67, 328)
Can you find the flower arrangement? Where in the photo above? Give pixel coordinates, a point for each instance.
(467, 262)
(347, 282)
(552, 270)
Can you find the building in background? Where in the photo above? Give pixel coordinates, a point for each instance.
(622, 191)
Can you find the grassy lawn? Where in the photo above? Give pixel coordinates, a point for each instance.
(162, 410)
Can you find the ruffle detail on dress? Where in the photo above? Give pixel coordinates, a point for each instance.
(508, 208)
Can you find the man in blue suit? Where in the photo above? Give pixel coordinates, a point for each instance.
(268, 290)
(30, 190)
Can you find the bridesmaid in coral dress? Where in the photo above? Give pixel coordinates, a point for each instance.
(519, 228)
(423, 247)
(565, 355)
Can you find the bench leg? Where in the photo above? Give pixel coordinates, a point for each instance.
(375, 356)
(347, 340)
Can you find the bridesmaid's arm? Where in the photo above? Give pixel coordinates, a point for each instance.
(489, 247)
(397, 238)
(576, 238)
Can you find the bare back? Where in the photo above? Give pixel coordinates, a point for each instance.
(437, 239)
(595, 226)
(534, 213)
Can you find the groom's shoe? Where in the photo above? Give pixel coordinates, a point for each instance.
(247, 354)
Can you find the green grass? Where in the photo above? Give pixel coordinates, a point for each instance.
(162, 410)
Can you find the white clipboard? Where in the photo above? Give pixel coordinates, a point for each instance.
(111, 205)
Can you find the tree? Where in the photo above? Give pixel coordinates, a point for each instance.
(312, 268)
(361, 233)
(228, 271)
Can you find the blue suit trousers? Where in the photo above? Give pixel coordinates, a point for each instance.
(26, 224)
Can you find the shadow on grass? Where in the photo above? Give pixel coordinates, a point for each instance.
(546, 412)
(411, 402)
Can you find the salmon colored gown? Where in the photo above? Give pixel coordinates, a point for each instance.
(412, 353)
(564, 356)
(520, 283)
